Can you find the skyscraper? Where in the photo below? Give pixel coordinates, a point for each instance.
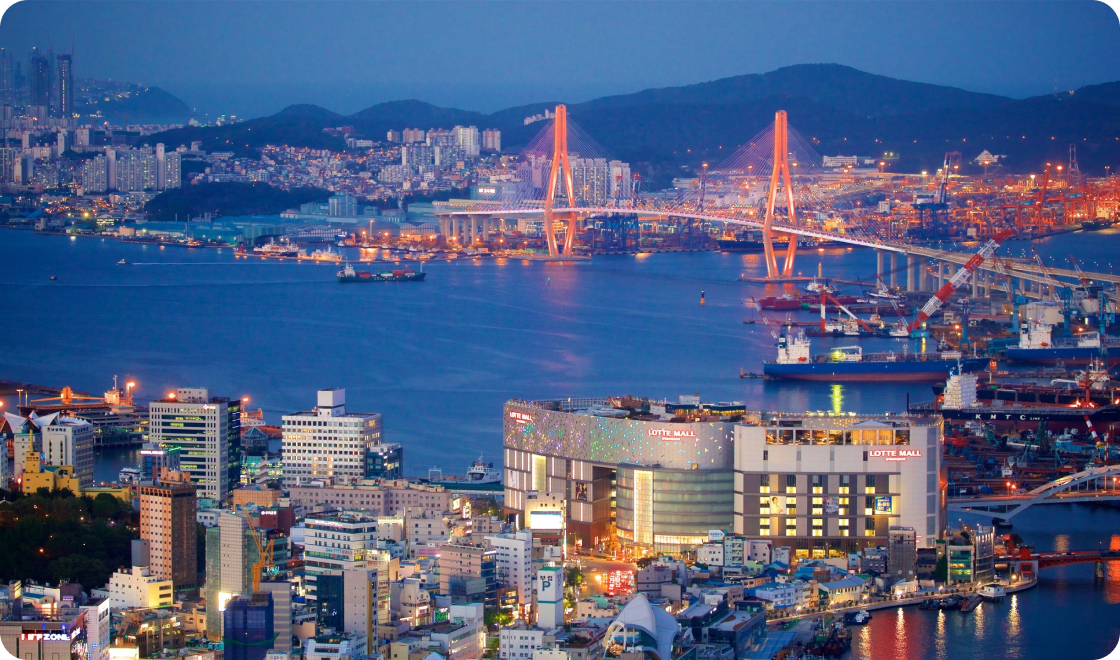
(39, 83)
(207, 432)
(167, 523)
(230, 555)
(65, 86)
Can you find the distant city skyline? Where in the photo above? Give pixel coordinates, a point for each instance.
(253, 59)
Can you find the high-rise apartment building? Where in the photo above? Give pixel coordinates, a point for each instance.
(207, 431)
(95, 175)
(173, 171)
(328, 442)
(137, 170)
(466, 138)
(168, 524)
(413, 135)
(491, 140)
(393, 136)
(69, 441)
(65, 77)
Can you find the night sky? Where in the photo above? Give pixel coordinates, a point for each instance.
(253, 58)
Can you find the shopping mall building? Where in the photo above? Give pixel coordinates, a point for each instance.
(657, 476)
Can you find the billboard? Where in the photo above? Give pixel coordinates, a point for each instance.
(544, 520)
(831, 506)
(883, 506)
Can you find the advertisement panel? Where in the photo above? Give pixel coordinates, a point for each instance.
(883, 506)
(546, 520)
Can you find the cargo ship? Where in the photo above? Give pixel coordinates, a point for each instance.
(1036, 344)
(963, 398)
(348, 274)
(850, 363)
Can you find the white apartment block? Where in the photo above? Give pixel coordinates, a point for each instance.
(199, 425)
(383, 498)
(515, 563)
(69, 441)
(327, 442)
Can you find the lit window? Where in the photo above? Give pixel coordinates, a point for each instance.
(791, 489)
(843, 511)
(818, 532)
(844, 532)
(818, 500)
(791, 531)
(869, 532)
(817, 522)
(868, 511)
(843, 522)
(843, 490)
(764, 489)
(818, 511)
(869, 490)
(818, 489)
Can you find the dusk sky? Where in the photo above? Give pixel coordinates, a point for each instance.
(253, 58)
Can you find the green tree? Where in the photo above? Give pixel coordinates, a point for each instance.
(941, 573)
(79, 568)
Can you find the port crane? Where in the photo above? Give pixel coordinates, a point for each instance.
(825, 296)
(960, 277)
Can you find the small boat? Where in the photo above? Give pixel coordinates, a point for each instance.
(53, 278)
(122, 262)
(857, 618)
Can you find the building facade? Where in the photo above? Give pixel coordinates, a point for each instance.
(328, 441)
(69, 441)
(829, 486)
(207, 431)
(168, 522)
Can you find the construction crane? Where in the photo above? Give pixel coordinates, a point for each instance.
(1081, 276)
(774, 332)
(264, 556)
(826, 296)
(960, 277)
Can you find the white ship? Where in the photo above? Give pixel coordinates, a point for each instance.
(274, 249)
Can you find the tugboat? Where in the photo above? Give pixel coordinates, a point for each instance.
(857, 618)
(348, 274)
(849, 363)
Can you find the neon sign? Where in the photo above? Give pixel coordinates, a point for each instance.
(894, 454)
(520, 417)
(672, 433)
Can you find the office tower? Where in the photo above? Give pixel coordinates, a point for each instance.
(69, 441)
(248, 627)
(95, 175)
(207, 431)
(173, 172)
(466, 138)
(468, 574)
(65, 86)
(39, 83)
(492, 139)
(332, 545)
(385, 460)
(327, 441)
(167, 523)
(230, 555)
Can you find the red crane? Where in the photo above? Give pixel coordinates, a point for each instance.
(960, 277)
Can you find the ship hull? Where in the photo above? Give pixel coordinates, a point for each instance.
(902, 371)
(1066, 354)
(733, 245)
(413, 277)
(1070, 417)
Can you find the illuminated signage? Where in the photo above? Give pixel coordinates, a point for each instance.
(894, 454)
(546, 520)
(883, 506)
(672, 433)
(715, 534)
(46, 637)
(487, 191)
(520, 417)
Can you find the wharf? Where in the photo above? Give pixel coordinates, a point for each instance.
(798, 279)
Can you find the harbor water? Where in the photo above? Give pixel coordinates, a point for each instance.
(439, 358)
